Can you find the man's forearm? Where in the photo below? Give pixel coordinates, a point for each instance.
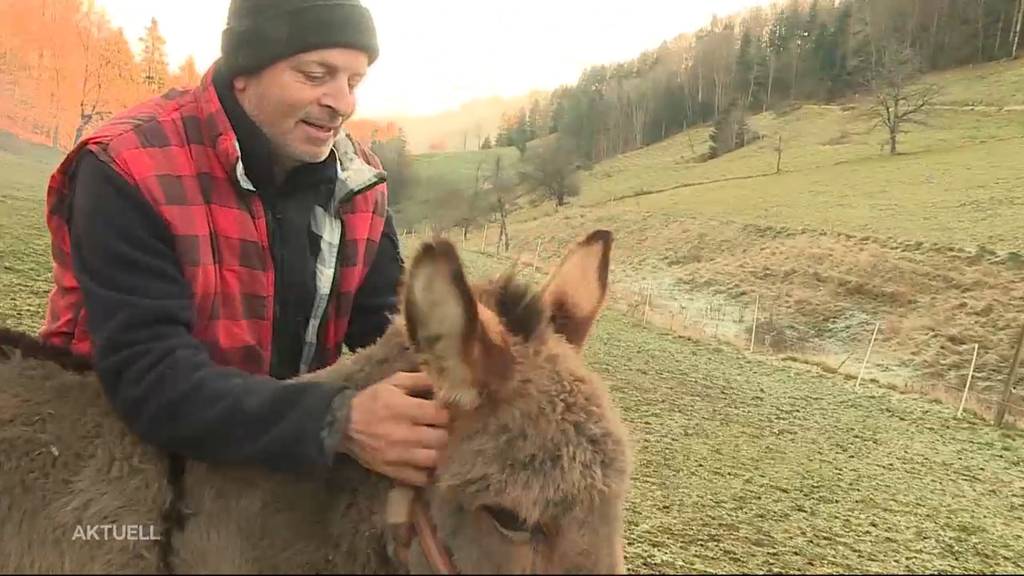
(158, 377)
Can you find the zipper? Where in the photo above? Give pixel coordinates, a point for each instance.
(319, 353)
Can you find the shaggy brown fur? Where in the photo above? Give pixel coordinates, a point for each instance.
(534, 478)
(65, 461)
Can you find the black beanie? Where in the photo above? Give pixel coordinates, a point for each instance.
(261, 32)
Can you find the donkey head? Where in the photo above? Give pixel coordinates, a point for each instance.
(536, 471)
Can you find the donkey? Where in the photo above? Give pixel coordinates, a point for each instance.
(534, 479)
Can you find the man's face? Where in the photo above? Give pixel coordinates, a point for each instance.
(301, 102)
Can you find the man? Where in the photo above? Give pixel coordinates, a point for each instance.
(211, 242)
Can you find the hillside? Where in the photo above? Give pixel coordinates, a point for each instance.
(443, 179)
(827, 147)
(926, 242)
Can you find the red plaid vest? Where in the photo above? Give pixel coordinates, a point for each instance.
(181, 153)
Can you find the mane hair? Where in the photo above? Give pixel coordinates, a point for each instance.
(31, 347)
(519, 305)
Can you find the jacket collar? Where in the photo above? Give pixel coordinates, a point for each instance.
(253, 144)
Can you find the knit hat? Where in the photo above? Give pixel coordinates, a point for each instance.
(261, 32)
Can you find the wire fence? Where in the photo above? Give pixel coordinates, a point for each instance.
(760, 326)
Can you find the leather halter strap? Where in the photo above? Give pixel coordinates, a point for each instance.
(416, 519)
(433, 548)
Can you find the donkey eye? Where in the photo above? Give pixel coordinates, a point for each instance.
(507, 520)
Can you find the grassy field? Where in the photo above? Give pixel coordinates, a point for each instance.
(995, 84)
(951, 183)
(928, 242)
(460, 167)
(740, 465)
(25, 273)
(749, 468)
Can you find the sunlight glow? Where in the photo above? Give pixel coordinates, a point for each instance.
(438, 55)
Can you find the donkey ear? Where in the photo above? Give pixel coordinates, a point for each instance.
(444, 325)
(575, 292)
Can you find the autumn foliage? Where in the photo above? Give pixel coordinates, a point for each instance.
(64, 68)
(369, 131)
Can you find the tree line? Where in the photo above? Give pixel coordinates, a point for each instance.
(763, 58)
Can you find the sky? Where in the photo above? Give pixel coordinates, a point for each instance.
(436, 55)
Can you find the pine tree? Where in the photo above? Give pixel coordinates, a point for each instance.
(520, 133)
(154, 58)
(730, 131)
(534, 122)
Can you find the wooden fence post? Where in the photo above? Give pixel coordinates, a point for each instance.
(970, 374)
(1008, 388)
(753, 329)
(864, 365)
(778, 161)
(647, 303)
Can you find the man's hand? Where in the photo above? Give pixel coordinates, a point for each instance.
(393, 432)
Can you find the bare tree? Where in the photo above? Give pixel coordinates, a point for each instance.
(981, 30)
(474, 202)
(999, 32)
(552, 170)
(633, 100)
(504, 190)
(1015, 38)
(638, 113)
(95, 72)
(899, 99)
